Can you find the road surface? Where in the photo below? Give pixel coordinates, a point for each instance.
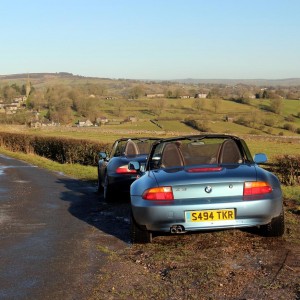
(52, 230)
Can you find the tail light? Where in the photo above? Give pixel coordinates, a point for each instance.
(125, 170)
(256, 188)
(209, 169)
(159, 193)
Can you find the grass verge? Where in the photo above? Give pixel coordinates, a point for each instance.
(84, 173)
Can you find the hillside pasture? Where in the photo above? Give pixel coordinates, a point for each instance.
(256, 115)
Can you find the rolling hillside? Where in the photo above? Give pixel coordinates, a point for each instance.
(69, 77)
(169, 114)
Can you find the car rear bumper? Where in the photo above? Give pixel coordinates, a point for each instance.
(121, 184)
(163, 217)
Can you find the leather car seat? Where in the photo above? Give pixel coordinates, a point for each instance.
(131, 148)
(172, 156)
(230, 153)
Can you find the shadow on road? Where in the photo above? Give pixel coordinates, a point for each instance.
(88, 205)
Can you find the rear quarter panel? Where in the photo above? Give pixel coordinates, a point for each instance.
(144, 182)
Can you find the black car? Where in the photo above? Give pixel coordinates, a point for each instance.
(114, 177)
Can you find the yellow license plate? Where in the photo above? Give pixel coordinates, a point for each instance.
(210, 215)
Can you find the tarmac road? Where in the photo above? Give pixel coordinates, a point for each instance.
(51, 230)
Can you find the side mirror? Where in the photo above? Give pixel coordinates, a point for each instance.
(155, 162)
(260, 158)
(102, 155)
(134, 165)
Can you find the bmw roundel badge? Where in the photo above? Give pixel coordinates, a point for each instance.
(208, 189)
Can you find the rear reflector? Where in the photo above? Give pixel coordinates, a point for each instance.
(256, 188)
(125, 170)
(159, 193)
(209, 169)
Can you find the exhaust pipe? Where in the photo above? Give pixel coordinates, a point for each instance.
(173, 229)
(177, 229)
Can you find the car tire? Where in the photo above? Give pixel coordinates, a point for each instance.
(99, 185)
(137, 234)
(107, 191)
(275, 228)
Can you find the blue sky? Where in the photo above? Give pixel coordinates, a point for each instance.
(157, 39)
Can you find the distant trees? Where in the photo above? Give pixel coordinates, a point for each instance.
(158, 106)
(9, 93)
(180, 91)
(60, 113)
(293, 93)
(136, 91)
(119, 108)
(168, 93)
(95, 89)
(88, 107)
(199, 104)
(276, 105)
(214, 93)
(87, 99)
(63, 102)
(216, 104)
(58, 104)
(37, 101)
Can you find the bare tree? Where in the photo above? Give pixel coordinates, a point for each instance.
(199, 104)
(136, 91)
(276, 105)
(119, 108)
(216, 104)
(159, 106)
(37, 101)
(8, 93)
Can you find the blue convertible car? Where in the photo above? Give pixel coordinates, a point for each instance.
(114, 177)
(204, 182)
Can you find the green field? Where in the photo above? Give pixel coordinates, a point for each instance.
(175, 111)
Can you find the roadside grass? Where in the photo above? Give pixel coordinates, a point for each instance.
(292, 193)
(84, 173)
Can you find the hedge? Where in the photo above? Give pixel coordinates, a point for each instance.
(197, 125)
(287, 168)
(62, 150)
